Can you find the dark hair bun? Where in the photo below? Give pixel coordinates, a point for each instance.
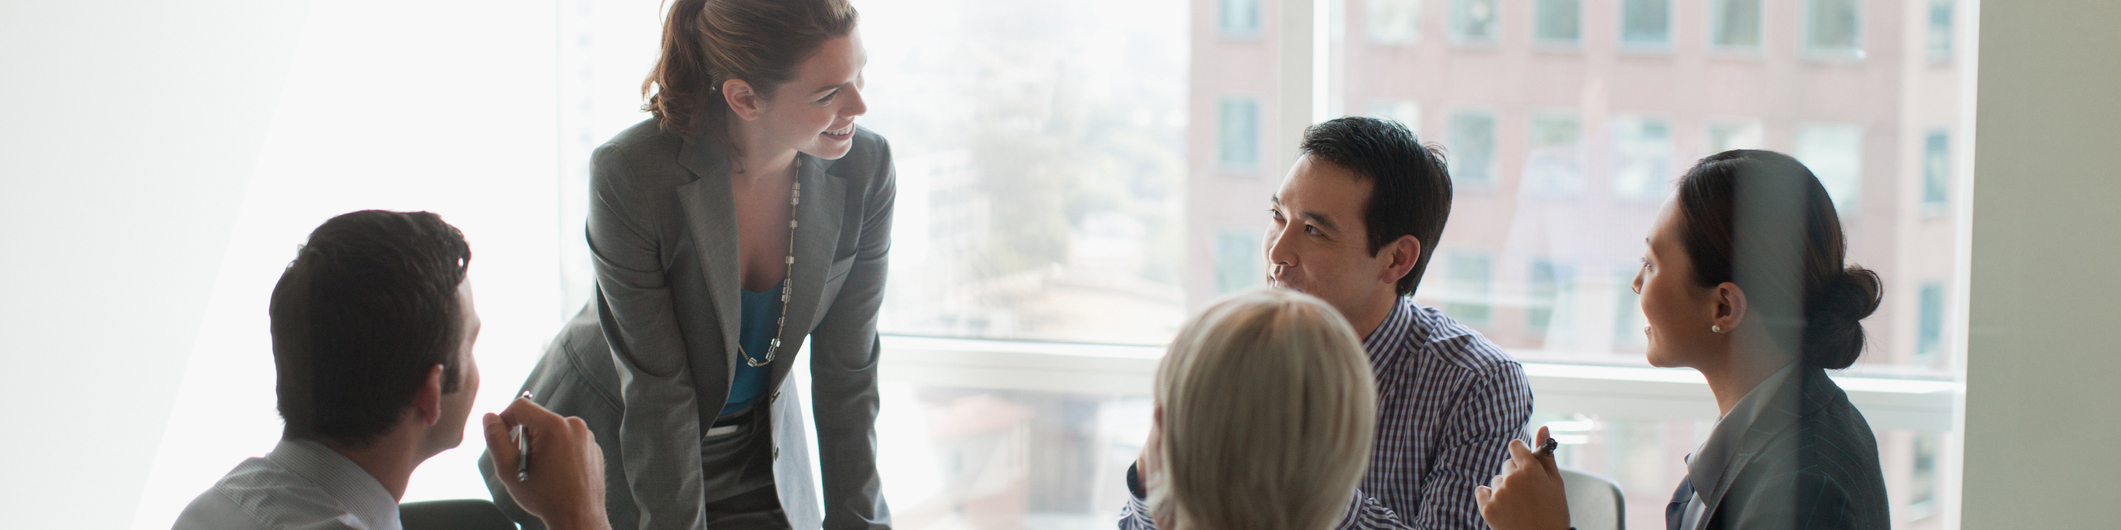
(1833, 331)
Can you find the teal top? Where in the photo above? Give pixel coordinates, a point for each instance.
(755, 333)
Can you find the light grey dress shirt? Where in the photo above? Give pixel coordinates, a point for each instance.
(300, 485)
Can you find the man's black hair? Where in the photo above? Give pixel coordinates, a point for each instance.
(1410, 193)
(368, 307)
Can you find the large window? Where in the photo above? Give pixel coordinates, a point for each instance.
(1075, 177)
(1562, 162)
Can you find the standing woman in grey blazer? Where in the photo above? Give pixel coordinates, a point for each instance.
(748, 217)
(1745, 282)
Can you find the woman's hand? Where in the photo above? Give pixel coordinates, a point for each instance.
(1528, 495)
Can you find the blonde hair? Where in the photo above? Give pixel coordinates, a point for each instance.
(1269, 408)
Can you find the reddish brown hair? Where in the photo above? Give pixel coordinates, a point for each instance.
(708, 42)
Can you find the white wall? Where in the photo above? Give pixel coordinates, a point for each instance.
(2042, 358)
(130, 130)
(159, 161)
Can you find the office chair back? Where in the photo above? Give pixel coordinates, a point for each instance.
(455, 514)
(1595, 502)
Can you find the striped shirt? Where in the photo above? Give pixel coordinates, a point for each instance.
(1448, 404)
(301, 485)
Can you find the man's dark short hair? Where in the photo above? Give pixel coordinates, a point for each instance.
(1411, 190)
(368, 307)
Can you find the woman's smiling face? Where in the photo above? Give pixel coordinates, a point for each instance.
(1679, 310)
(814, 113)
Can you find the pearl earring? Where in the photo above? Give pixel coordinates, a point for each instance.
(1713, 328)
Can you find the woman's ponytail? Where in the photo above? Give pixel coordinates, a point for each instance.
(708, 42)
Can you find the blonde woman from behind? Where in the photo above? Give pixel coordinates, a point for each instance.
(1265, 410)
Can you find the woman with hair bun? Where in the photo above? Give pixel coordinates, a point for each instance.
(1745, 281)
(747, 216)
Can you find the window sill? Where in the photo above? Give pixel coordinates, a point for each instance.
(1616, 391)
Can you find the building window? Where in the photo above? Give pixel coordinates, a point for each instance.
(1642, 154)
(1240, 17)
(1734, 24)
(1471, 148)
(1929, 327)
(1728, 135)
(1940, 33)
(1834, 152)
(1646, 23)
(1237, 257)
(1627, 311)
(1834, 27)
(1405, 112)
(1470, 283)
(1475, 21)
(1923, 480)
(1555, 162)
(1393, 21)
(1558, 22)
(1551, 285)
(1936, 171)
(1237, 133)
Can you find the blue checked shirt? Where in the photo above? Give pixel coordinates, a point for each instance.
(1448, 404)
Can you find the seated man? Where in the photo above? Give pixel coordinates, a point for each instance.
(372, 330)
(1354, 224)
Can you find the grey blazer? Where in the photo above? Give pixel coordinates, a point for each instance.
(649, 362)
(1808, 461)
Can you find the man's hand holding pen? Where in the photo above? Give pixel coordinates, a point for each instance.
(566, 489)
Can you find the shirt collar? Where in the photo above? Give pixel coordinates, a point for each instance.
(357, 492)
(1395, 331)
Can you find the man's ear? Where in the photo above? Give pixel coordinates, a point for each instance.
(1401, 256)
(744, 100)
(427, 402)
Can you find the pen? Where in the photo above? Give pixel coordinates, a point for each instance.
(523, 449)
(1547, 448)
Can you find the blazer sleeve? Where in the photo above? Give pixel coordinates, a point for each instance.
(1491, 410)
(659, 429)
(844, 351)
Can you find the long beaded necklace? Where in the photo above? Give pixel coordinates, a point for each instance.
(795, 197)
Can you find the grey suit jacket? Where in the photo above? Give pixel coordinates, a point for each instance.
(649, 362)
(1808, 461)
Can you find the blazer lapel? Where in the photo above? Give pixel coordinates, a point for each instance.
(818, 214)
(1780, 415)
(710, 220)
